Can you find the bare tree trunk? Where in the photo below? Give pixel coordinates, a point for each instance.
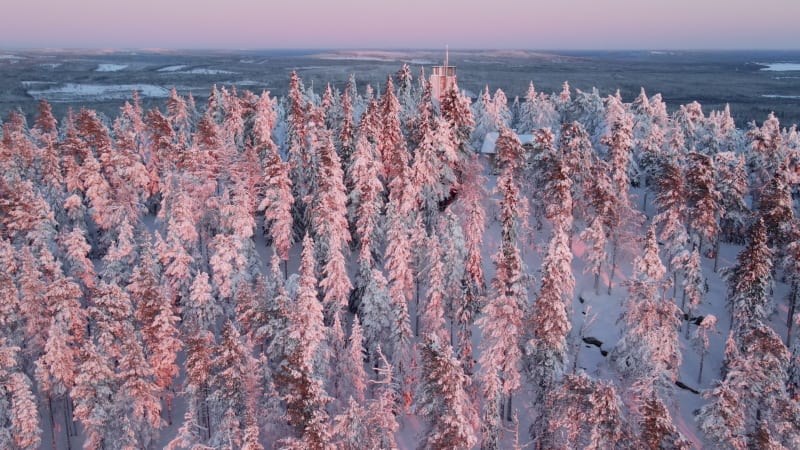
(509, 415)
(416, 312)
(206, 417)
(168, 402)
(700, 246)
(644, 203)
(452, 326)
(597, 284)
(688, 324)
(716, 255)
(597, 279)
(52, 420)
(68, 418)
(675, 283)
(790, 317)
(613, 265)
(67, 423)
(702, 360)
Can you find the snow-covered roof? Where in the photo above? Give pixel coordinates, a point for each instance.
(490, 141)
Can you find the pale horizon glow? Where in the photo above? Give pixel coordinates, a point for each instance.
(363, 24)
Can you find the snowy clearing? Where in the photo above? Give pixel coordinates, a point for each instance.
(780, 67)
(71, 91)
(180, 70)
(110, 67)
(780, 96)
(172, 68)
(31, 84)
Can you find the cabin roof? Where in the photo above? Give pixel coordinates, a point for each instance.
(490, 141)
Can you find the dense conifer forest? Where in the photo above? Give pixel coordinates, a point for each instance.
(348, 270)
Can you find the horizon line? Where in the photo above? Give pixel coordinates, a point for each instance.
(432, 49)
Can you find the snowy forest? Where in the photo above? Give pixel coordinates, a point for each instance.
(349, 271)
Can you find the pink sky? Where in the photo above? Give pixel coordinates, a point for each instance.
(259, 24)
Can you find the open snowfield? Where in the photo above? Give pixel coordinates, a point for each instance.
(782, 67)
(111, 67)
(96, 92)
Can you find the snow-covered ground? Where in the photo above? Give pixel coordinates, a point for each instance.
(204, 71)
(110, 67)
(781, 67)
(780, 96)
(181, 69)
(95, 92)
(172, 68)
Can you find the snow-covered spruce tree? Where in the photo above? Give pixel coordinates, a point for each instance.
(733, 188)
(670, 186)
(456, 111)
(366, 199)
(620, 215)
(180, 118)
(648, 351)
(536, 112)
(485, 117)
(233, 389)
(700, 340)
(175, 250)
(115, 398)
(354, 381)
(442, 399)
(407, 94)
(791, 267)
(501, 111)
(297, 378)
(575, 149)
(595, 237)
(691, 121)
(398, 262)
(563, 102)
(753, 394)
(693, 287)
(468, 305)
(297, 157)
(703, 199)
(329, 222)
(432, 315)
(587, 108)
(277, 203)
(651, 156)
(20, 418)
(422, 122)
(377, 316)
(775, 207)
(365, 205)
(433, 170)
(546, 351)
(374, 425)
(586, 413)
(656, 427)
(346, 131)
(502, 321)
(57, 367)
(390, 140)
(767, 145)
(750, 281)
